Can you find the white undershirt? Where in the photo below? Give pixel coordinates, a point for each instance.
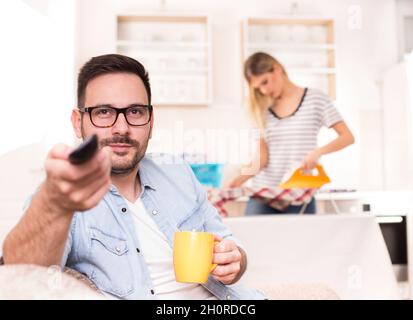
(159, 258)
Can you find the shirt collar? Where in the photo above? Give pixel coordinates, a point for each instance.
(145, 181)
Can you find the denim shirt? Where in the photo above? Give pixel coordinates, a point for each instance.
(103, 244)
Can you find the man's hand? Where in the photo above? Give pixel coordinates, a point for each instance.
(40, 236)
(70, 188)
(230, 260)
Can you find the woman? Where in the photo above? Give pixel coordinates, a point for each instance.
(290, 118)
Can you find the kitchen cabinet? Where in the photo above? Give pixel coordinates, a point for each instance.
(176, 50)
(305, 46)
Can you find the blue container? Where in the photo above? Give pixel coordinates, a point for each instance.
(208, 174)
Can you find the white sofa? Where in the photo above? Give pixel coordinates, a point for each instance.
(293, 254)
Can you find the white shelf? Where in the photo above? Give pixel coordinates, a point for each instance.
(295, 41)
(290, 46)
(171, 72)
(282, 19)
(173, 75)
(185, 103)
(177, 52)
(311, 70)
(167, 16)
(162, 44)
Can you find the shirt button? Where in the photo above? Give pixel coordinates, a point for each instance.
(154, 212)
(123, 209)
(137, 249)
(152, 292)
(118, 249)
(228, 297)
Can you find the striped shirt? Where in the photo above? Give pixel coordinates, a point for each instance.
(290, 139)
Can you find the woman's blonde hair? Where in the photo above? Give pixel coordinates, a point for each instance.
(256, 65)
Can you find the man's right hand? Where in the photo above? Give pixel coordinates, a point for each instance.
(68, 187)
(40, 236)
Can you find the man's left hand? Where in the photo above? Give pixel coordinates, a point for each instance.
(230, 261)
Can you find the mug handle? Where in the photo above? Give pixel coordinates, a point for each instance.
(214, 265)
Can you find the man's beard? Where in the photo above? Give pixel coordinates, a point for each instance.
(129, 166)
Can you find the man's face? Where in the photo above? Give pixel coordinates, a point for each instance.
(128, 143)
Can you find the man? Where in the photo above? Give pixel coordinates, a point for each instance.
(114, 217)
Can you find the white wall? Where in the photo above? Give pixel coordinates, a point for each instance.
(404, 8)
(36, 83)
(397, 120)
(37, 70)
(364, 51)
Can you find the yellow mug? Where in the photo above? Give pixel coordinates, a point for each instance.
(192, 255)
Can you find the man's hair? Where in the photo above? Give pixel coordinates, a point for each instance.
(106, 64)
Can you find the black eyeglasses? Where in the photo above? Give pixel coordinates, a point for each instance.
(105, 116)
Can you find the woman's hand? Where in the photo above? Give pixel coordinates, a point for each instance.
(311, 160)
(237, 182)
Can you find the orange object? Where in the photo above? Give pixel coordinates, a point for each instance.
(301, 180)
(193, 253)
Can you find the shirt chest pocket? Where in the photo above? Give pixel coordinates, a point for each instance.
(194, 221)
(112, 270)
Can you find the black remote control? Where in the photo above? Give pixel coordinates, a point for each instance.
(85, 151)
